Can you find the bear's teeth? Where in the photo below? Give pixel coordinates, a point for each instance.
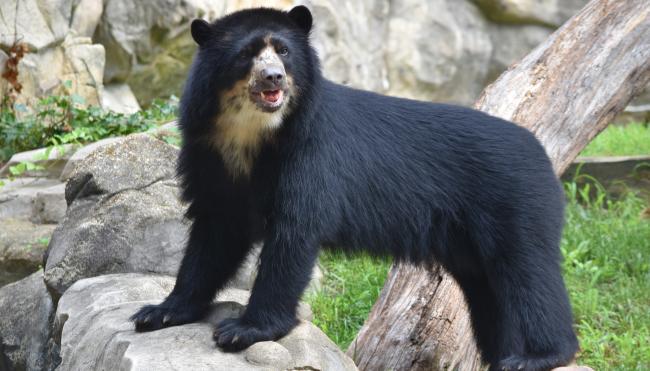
(272, 96)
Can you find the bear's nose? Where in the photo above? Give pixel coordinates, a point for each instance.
(273, 74)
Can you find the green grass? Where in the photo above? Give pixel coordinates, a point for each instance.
(606, 245)
(617, 140)
(350, 287)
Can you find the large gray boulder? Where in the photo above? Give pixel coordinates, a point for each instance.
(352, 48)
(17, 196)
(26, 315)
(49, 205)
(437, 50)
(38, 23)
(511, 43)
(94, 332)
(22, 245)
(148, 44)
(124, 214)
(80, 154)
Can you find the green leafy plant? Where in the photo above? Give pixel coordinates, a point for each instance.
(58, 120)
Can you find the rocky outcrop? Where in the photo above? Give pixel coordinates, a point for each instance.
(443, 50)
(59, 47)
(435, 47)
(29, 211)
(550, 13)
(124, 214)
(22, 245)
(119, 98)
(25, 326)
(148, 44)
(94, 332)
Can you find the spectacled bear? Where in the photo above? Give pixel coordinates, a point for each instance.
(273, 151)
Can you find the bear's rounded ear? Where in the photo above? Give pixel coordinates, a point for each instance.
(201, 31)
(302, 17)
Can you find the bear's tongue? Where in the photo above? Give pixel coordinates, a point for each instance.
(272, 96)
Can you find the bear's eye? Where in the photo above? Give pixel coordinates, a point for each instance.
(284, 51)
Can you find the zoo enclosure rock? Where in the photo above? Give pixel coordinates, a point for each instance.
(551, 13)
(21, 245)
(124, 214)
(94, 331)
(58, 35)
(26, 313)
(379, 45)
(444, 50)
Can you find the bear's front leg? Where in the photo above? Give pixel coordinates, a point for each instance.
(286, 264)
(215, 250)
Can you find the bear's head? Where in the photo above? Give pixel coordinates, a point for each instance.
(258, 61)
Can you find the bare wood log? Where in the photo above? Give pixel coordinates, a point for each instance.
(565, 91)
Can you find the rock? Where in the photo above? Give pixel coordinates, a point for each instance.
(245, 276)
(437, 50)
(511, 43)
(387, 47)
(81, 154)
(124, 214)
(131, 162)
(169, 133)
(573, 368)
(148, 43)
(352, 48)
(134, 230)
(22, 245)
(49, 205)
(268, 353)
(551, 13)
(51, 160)
(86, 17)
(17, 196)
(119, 98)
(26, 314)
(23, 20)
(84, 68)
(94, 331)
(57, 53)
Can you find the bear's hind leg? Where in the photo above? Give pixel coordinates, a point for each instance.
(487, 322)
(535, 315)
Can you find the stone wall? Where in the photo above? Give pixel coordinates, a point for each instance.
(443, 50)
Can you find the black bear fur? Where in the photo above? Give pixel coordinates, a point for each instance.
(356, 170)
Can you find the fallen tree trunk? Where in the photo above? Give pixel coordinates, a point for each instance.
(565, 91)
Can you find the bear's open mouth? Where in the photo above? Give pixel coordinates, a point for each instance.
(272, 96)
(268, 100)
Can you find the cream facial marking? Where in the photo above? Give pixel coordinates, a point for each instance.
(251, 111)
